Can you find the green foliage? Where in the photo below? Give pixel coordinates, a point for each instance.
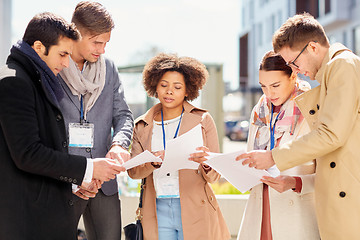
(225, 188)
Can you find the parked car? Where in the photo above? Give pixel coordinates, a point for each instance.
(237, 130)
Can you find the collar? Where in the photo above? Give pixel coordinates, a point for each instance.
(333, 51)
(148, 117)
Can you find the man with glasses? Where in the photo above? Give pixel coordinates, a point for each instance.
(333, 113)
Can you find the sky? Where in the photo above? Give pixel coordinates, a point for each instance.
(207, 30)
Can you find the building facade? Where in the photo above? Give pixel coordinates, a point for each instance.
(5, 29)
(261, 18)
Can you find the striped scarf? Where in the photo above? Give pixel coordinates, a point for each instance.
(289, 117)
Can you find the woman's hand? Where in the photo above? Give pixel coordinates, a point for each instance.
(160, 154)
(199, 157)
(281, 183)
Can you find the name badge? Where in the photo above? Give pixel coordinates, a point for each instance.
(166, 187)
(81, 135)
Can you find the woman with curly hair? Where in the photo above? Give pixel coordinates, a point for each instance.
(181, 205)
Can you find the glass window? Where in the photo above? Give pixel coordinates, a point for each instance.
(280, 21)
(260, 34)
(251, 10)
(356, 36)
(327, 6)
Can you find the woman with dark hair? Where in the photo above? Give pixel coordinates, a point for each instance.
(282, 207)
(180, 205)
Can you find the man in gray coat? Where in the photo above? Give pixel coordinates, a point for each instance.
(93, 105)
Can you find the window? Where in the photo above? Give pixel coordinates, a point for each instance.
(356, 37)
(327, 6)
(260, 34)
(243, 17)
(271, 27)
(280, 21)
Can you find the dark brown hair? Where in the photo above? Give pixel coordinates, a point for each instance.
(274, 62)
(48, 28)
(297, 31)
(194, 72)
(92, 18)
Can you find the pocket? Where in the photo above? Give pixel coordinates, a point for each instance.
(42, 197)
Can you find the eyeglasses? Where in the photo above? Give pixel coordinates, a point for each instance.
(292, 63)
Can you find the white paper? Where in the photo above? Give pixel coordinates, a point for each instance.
(142, 158)
(178, 151)
(240, 176)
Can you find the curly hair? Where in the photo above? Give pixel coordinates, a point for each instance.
(194, 72)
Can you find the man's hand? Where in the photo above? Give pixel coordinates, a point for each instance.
(259, 159)
(281, 183)
(106, 169)
(88, 190)
(118, 153)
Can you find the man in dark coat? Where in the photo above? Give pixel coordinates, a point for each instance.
(36, 171)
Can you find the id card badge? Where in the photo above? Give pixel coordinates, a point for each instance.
(167, 187)
(81, 135)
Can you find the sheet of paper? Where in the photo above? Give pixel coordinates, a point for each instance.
(241, 177)
(178, 151)
(142, 158)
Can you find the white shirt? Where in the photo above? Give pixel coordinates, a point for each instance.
(168, 186)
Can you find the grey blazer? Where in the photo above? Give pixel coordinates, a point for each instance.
(109, 111)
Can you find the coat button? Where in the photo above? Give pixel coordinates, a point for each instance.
(342, 194)
(64, 144)
(291, 202)
(58, 117)
(211, 198)
(65, 178)
(74, 181)
(312, 112)
(61, 178)
(71, 202)
(70, 179)
(88, 150)
(332, 164)
(203, 201)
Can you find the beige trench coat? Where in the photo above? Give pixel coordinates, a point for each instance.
(200, 212)
(333, 113)
(292, 214)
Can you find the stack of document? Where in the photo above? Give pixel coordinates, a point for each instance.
(178, 151)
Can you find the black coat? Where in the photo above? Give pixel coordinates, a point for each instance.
(36, 171)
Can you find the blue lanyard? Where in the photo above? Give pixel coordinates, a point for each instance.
(81, 110)
(272, 128)
(163, 129)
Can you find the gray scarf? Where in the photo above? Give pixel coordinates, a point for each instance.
(89, 83)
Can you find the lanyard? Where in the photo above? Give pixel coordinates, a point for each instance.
(272, 128)
(163, 129)
(81, 110)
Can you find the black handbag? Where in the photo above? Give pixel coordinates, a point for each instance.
(134, 231)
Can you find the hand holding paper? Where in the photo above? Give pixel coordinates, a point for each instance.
(200, 155)
(142, 158)
(242, 177)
